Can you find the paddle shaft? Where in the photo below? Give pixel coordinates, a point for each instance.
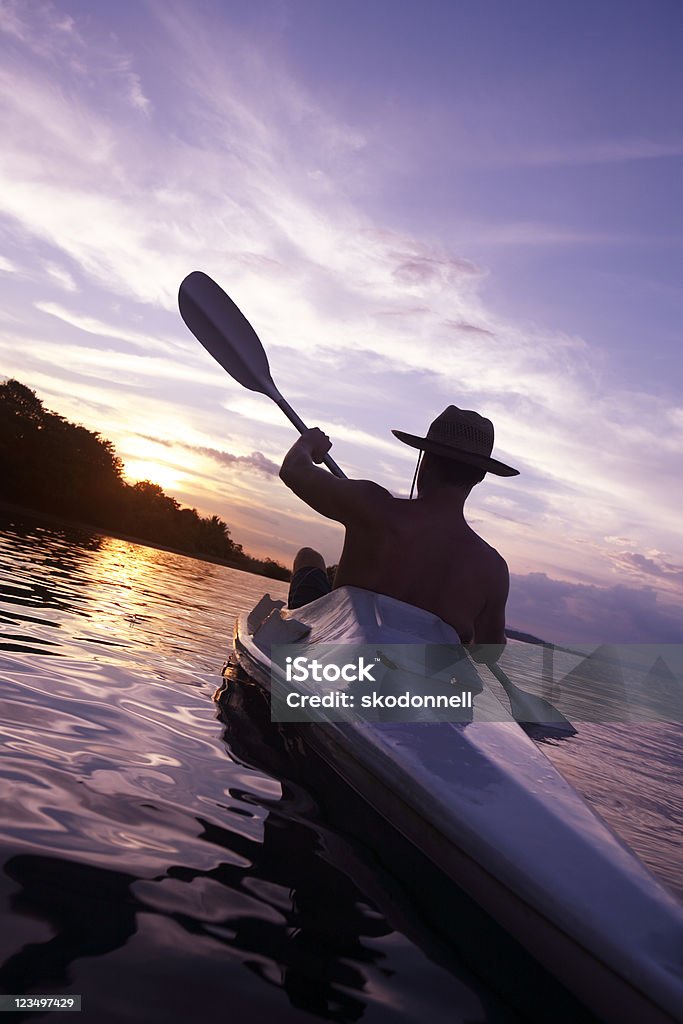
(294, 418)
(500, 675)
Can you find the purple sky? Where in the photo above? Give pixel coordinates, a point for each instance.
(476, 203)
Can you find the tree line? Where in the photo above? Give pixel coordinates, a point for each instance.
(52, 465)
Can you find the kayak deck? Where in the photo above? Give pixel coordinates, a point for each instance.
(482, 802)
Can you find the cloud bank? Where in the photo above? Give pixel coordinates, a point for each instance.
(578, 614)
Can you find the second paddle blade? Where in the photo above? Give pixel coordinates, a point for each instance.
(225, 332)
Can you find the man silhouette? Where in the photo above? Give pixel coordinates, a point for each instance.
(419, 551)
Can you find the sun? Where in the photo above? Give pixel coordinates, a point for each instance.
(168, 477)
(146, 459)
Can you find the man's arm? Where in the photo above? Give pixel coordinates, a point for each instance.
(489, 626)
(345, 501)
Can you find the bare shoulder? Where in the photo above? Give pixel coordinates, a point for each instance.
(366, 499)
(498, 573)
(372, 491)
(489, 624)
(495, 560)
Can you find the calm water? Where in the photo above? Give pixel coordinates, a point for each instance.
(165, 863)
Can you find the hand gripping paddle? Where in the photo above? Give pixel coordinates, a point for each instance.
(225, 332)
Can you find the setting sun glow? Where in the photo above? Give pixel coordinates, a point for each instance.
(145, 459)
(167, 477)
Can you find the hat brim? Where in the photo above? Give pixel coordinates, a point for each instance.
(450, 451)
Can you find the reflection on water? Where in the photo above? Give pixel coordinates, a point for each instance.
(153, 863)
(145, 865)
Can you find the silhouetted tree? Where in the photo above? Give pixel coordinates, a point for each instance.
(50, 464)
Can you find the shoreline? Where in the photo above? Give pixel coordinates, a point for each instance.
(50, 519)
(53, 520)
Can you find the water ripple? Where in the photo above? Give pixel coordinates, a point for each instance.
(141, 836)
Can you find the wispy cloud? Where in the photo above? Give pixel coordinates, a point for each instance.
(61, 276)
(465, 328)
(578, 152)
(539, 234)
(651, 565)
(92, 325)
(51, 33)
(114, 365)
(257, 461)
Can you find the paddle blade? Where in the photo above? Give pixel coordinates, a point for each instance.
(225, 332)
(532, 711)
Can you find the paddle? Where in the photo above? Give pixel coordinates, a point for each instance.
(530, 710)
(225, 332)
(227, 335)
(535, 713)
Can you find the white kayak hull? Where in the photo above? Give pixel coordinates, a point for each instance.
(487, 806)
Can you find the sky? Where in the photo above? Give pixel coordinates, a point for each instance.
(414, 205)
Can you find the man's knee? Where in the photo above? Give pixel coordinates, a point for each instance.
(308, 558)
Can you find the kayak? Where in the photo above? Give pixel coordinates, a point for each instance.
(483, 803)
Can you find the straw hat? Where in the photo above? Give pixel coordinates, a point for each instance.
(462, 435)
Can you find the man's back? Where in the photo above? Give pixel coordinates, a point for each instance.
(421, 552)
(424, 553)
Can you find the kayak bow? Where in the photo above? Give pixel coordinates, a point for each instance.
(484, 803)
